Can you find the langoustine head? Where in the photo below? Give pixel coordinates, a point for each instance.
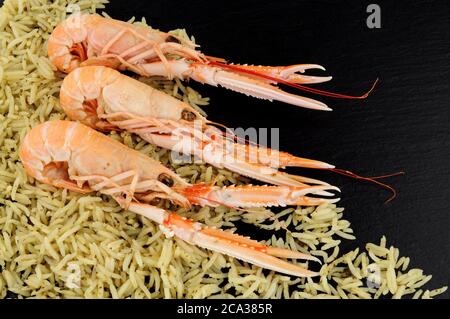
(83, 37)
(89, 94)
(73, 156)
(67, 43)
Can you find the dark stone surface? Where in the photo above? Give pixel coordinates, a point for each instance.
(403, 126)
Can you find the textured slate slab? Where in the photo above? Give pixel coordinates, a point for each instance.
(403, 125)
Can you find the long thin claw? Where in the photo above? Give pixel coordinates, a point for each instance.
(269, 175)
(290, 73)
(275, 158)
(260, 172)
(260, 89)
(241, 244)
(286, 253)
(257, 196)
(224, 242)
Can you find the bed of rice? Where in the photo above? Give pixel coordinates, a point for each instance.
(54, 243)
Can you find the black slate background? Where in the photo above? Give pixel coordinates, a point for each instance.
(403, 125)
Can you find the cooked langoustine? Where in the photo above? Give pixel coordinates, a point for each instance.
(73, 156)
(89, 39)
(105, 99)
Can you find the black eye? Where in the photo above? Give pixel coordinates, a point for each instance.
(188, 115)
(172, 39)
(155, 201)
(165, 179)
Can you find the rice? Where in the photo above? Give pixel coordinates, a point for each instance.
(57, 244)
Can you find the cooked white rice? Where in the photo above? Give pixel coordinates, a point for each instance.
(57, 244)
